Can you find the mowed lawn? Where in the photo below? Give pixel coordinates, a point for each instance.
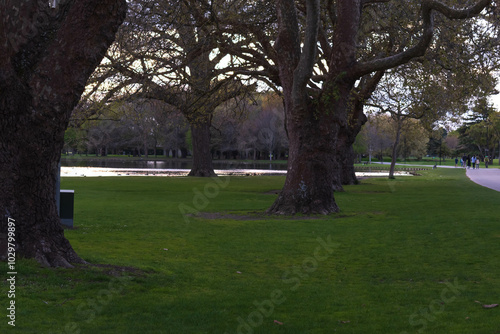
(412, 255)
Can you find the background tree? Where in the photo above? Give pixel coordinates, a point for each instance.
(101, 137)
(403, 95)
(437, 144)
(376, 136)
(329, 57)
(74, 140)
(452, 142)
(168, 51)
(379, 135)
(413, 141)
(395, 98)
(173, 131)
(47, 55)
(479, 133)
(225, 131)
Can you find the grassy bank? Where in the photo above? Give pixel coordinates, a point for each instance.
(406, 255)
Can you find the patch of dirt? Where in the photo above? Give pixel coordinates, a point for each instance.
(220, 215)
(272, 192)
(257, 216)
(375, 213)
(116, 271)
(371, 192)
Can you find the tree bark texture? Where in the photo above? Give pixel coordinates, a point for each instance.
(345, 159)
(47, 56)
(311, 171)
(313, 125)
(202, 157)
(348, 133)
(322, 123)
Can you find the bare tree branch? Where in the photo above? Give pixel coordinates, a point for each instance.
(428, 6)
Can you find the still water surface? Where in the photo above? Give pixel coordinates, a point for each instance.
(165, 164)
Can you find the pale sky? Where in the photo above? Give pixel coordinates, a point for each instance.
(496, 101)
(496, 98)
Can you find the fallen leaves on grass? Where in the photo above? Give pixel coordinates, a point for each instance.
(490, 306)
(487, 306)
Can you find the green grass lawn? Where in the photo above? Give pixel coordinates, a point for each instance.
(410, 255)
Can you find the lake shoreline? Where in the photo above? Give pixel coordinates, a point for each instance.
(100, 171)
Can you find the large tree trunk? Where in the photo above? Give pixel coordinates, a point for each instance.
(317, 113)
(311, 172)
(202, 158)
(42, 75)
(313, 122)
(29, 165)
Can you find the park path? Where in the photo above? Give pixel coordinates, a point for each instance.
(486, 177)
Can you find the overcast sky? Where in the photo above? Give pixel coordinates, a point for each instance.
(496, 98)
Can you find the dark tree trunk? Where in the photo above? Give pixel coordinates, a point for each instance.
(313, 123)
(395, 149)
(311, 172)
(29, 165)
(348, 134)
(202, 158)
(346, 156)
(319, 118)
(146, 150)
(42, 76)
(345, 159)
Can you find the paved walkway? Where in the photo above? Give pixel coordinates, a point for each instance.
(487, 177)
(412, 165)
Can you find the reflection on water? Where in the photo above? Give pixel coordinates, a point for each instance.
(164, 164)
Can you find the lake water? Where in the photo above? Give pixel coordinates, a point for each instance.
(165, 164)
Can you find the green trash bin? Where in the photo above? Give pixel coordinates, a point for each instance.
(66, 207)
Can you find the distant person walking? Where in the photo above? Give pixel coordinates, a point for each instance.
(468, 162)
(464, 159)
(478, 161)
(473, 161)
(456, 162)
(486, 160)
